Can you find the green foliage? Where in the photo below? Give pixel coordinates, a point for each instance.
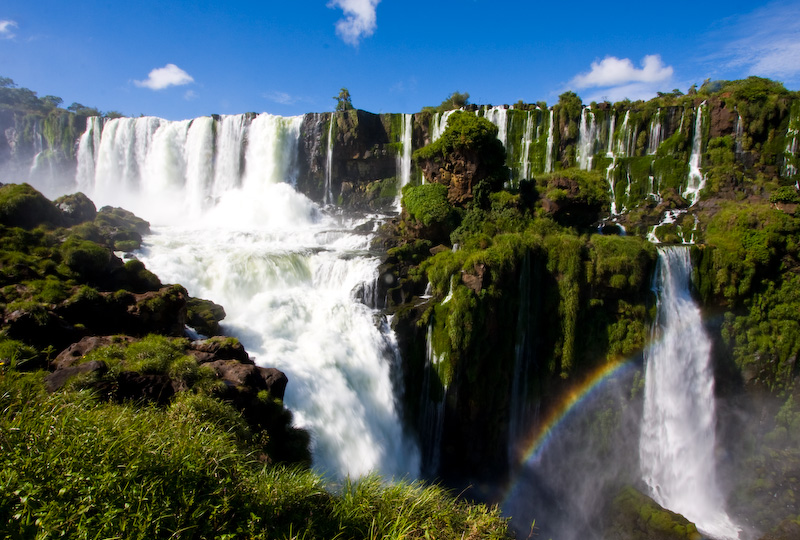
(465, 131)
(766, 338)
(87, 259)
(749, 241)
(785, 194)
(428, 204)
(456, 100)
(23, 206)
(73, 467)
(343, 101)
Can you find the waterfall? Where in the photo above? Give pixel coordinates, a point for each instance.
(499, 117)
(678, 426)
(520, 408)
(295, 281)
(432, 410)
(404, 158)
(738, 135)
(328, 198)
(789, 169)
(696, 180)
(656, 134)
(439, 123)
(527, 139)
(548, 164)
(587, 138)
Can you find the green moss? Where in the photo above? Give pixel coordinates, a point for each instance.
(428, 205)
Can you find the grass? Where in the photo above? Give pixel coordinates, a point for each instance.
(74, 467)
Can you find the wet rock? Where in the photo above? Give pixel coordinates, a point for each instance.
(57, 379)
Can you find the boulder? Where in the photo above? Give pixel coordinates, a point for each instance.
(276, 381)
(56, 380)
(76, 208)
(69, 356)
(219, 348)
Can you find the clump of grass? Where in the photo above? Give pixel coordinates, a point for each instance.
(74, 467)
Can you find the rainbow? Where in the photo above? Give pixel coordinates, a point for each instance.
(539, 438)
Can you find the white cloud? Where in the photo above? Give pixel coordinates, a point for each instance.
(6, 29)
(613, 71)
(766, 42)
(360, 19)
(164, 77)
(281, 97)
(190, 95)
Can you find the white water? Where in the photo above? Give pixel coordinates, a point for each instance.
(432, 409)
(527, 139)
(656, 134)
(548, 163)
(789, 169)
(587, 137)
(440, 123)
(404, 158)
(499, 117)
(678, 427)
(696, 180)
(289, 275)
(328, 198)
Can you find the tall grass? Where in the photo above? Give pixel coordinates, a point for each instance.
(73, 467)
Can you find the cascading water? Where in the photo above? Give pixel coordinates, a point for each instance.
(439, 124)
(656, 134)
(548, 163)
(587, 137)
(527, 139)
(696, 180)
(678, 426)
(404, 158)
(289, 275)
(738, 135)
(432, 410)
(499, 117)
(329, 164)
(789, 169)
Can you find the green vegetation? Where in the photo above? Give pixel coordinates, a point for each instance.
(456, 100)
(82, 468)
(428, 204)
(343, 101)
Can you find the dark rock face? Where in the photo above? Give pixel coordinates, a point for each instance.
(133, 386)
(213, 349)
(72, 354)
(57, 379)
(361, 156)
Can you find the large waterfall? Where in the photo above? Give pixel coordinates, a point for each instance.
(296, 282)
(678, 439)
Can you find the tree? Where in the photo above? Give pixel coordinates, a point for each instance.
(51, 101)
(456, 100)
(6, 82)
(343, 102)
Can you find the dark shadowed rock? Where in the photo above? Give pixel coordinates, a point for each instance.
(57, 379)
(76, 351)
(133, 386)
(276, 381)
(219, 348)
(235, 373)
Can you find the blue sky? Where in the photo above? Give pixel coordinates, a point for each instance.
(183, 59)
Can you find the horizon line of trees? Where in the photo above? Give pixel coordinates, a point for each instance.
(13, 96)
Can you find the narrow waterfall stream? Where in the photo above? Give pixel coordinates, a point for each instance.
(295, 281)
(678, 440)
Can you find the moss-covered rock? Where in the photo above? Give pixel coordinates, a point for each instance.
(22, 206)
(634, 516)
